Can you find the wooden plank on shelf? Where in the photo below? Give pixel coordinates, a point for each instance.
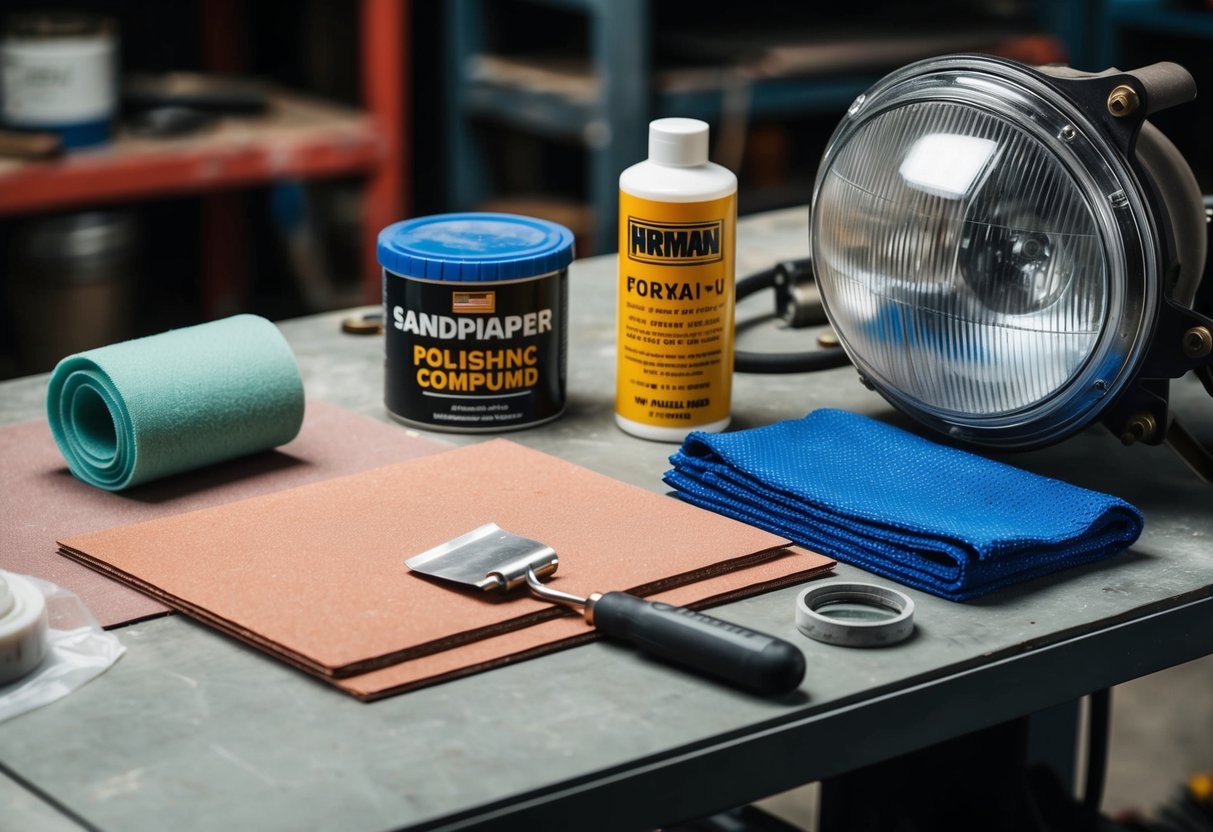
(298, 137)
(573, 79)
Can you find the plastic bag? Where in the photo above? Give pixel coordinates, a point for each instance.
(78, 650)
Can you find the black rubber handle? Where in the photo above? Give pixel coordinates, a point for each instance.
(748, 659)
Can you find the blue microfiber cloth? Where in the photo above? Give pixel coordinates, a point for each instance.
(143, 409)
(945, 521)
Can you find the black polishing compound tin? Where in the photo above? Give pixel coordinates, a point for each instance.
(474, 311)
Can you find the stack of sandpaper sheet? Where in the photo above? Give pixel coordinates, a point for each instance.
(315, 575)
(43, 502)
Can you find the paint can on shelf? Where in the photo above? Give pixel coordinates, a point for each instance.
(74, 278)
(475, 309)
(58, 73)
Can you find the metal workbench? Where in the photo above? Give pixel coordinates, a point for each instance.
(192, 730)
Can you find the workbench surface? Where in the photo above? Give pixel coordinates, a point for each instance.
(192, 730)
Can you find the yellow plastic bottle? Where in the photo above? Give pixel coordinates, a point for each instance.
(677, 230)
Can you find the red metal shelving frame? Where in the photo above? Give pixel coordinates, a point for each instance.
(299, 138)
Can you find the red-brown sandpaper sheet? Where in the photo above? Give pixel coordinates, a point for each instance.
(784, 567)
(42, 502)
(316, 574)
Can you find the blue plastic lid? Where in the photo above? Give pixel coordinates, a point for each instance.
(475, 247)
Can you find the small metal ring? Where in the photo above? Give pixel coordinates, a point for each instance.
(854, 633)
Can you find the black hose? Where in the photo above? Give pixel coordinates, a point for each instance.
(756, 282)
(780, 362)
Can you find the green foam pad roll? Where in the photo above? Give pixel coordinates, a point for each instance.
(139, 410)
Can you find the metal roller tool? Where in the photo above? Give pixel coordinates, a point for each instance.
(492, 559)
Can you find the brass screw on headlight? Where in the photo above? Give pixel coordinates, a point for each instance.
(1198, 342)
(1123, 101)
(1141, 427)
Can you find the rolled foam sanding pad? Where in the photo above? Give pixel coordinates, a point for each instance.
(139, 410)
(23, 623)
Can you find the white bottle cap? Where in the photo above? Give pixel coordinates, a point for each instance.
(679, 142)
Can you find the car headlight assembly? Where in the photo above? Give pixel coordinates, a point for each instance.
(1008, 253)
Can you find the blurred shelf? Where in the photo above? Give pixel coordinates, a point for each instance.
(776, 96)
(618, 64)
(298, 137)
(1151, 16)
(558, 97)
(1121, 23)
(552, 97)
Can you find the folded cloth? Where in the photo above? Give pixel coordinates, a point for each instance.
(143, 409)
(943, 520)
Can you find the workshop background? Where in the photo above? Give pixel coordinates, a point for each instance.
(260, 146)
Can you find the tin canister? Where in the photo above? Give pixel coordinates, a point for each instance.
(475, 309)
(58, 73)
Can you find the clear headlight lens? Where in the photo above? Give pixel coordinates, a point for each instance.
(985, 258)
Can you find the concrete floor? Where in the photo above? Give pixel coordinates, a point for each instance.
(1162, 732)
